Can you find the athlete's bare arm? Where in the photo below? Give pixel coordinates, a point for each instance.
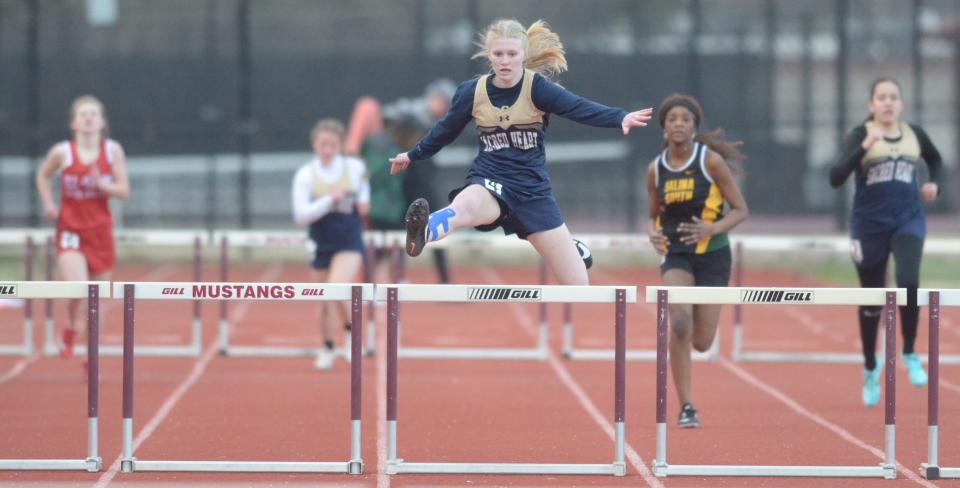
(51, 163)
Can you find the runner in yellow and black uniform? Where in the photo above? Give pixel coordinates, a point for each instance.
(688, 184)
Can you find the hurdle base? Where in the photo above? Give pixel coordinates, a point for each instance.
(128, 465)
(631, 355)
(934, 472)
(355, 466)
(930, 471)
(398, 466)
(7, 350)
(533, 353)
(51, 350)
(44, 465)
(94, 464)
(790, 357)
(244, 466)
(881, 471)
(279, 352)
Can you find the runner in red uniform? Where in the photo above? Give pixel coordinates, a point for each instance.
(92, 169)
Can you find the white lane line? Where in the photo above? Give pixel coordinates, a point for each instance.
(18, 368)
(527, 322)
(817, 419)
(199, 367)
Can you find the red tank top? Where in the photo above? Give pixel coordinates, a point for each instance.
(82, 204)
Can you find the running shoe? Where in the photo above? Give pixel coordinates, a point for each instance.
(871, 387)
(418, 214)
(584, 251)
(918, 377)
(324, 360)
(66, 347)
(688, 417)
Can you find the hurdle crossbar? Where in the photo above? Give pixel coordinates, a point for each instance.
(139, 237)
(821, 244)
(889, 298)
(285, 239)
(354, 293)
(394, 294)
(934, 299)
(93, 291)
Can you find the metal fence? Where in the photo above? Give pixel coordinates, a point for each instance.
(213, 99)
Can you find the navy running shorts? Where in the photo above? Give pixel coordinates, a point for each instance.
(520, 214)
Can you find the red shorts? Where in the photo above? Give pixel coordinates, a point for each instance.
(95, 244)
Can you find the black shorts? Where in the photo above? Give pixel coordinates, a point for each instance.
(708, 269)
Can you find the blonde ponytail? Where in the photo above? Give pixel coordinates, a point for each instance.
(542, 47)
(545, 53)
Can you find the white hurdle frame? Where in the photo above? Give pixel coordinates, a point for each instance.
(828, 244)
(889, 298)
(537, 352)
(93, 291)
(287, 239)
(356, 293)
(28, 238)
(934, 299)
(394, 294)
(135, 237)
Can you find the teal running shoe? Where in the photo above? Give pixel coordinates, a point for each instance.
(918, 377)
(871, 387)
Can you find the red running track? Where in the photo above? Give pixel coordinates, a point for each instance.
(215, 408)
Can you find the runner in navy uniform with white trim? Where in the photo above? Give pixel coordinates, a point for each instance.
(888, 217)
(508, 185)
(687, 185)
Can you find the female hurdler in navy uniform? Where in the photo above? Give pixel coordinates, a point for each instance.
(687, 185)
(508, 185)
(888, 217)
(330, 196)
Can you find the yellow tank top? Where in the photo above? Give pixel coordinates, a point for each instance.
(321, 188)
(522, 114)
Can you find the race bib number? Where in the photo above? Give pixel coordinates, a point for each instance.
(493, 186)
(69, 240)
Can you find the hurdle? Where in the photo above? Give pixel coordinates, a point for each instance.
(816, 244)
(134, 237)
(934, 299)
(615, 242)
(476, 240)
(394, 294)
(93, 291)
(887, 297)
(276, 239)
(26, 237)
(354, 293)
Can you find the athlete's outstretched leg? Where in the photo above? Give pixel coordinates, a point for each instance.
(471, 207)
(558, 250)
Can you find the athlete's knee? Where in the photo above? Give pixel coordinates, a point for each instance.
(681, 326)
(702, 344)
